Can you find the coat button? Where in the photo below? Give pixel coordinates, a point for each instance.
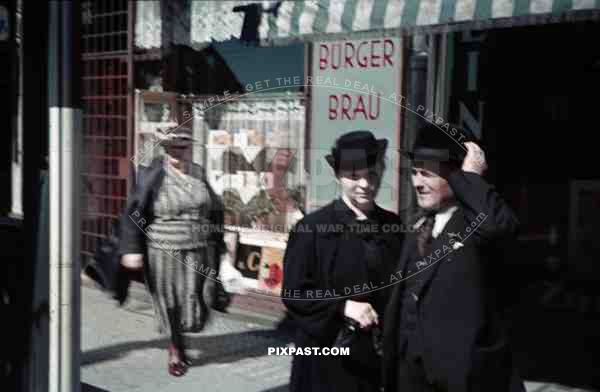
(415, 296)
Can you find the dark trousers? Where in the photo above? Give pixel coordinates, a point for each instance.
(411, 377)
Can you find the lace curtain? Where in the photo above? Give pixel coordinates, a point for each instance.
(148, 26)
(186, 22)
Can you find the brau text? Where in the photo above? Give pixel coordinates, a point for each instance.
(349, 107)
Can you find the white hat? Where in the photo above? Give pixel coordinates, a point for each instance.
(176, 135)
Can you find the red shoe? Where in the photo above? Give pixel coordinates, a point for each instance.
(177, 365)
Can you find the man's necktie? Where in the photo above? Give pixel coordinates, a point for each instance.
(424, 236)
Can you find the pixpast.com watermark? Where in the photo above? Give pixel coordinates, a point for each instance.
(318, 351)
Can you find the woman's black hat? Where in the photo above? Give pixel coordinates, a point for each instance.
(356, 150)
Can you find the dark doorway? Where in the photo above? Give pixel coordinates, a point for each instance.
(540, 87)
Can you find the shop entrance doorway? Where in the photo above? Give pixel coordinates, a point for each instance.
(537, 100)
(541, 87)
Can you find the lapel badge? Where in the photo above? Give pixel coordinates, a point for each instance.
(421, 264)
(457, 245)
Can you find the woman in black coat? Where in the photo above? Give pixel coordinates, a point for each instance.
(337, 261)
(173, 227)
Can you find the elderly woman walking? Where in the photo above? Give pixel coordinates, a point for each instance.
(172, 227)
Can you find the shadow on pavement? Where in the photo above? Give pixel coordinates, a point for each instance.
(212, 348)
(119, 350)
(281, 388)
(90, 388)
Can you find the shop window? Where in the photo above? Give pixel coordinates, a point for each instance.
(254, 160)
(252, 151)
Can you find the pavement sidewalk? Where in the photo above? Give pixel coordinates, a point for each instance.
(121, 351)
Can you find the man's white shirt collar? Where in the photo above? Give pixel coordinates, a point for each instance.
(441, 219)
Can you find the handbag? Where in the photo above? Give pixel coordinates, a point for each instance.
(115, 278)
(365, 345)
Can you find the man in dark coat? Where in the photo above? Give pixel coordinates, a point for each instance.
(445, 329)
(337, 262)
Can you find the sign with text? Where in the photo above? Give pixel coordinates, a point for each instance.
(355, 86)
(248, 260)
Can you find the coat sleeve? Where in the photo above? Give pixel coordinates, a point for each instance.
(319, 318)
(217, 235)
(217, 220)
(483, 208)
(132, 238)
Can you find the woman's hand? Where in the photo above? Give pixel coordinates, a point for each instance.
(231, 279)
(361, 312)
(132, 261)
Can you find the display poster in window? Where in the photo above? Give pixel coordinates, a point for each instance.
(270, 274)
(248, 260)
(257, 172)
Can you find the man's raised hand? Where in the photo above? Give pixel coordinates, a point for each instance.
(474, 161)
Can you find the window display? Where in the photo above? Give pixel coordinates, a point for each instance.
(254, 157)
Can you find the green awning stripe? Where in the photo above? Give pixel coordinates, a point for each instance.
(410, 12)
(378, 13)
(215, 21)
(521, 7)
(561, 5)
(448, 10)
(348, 15)
(273, 29)
(296, 13)
(322, 18)
(483, 9)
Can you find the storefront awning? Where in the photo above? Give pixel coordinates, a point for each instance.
(297, 18)
(251, 65)
(196, 23)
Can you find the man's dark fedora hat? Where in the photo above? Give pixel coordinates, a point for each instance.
(356, 150)
(441, 142)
